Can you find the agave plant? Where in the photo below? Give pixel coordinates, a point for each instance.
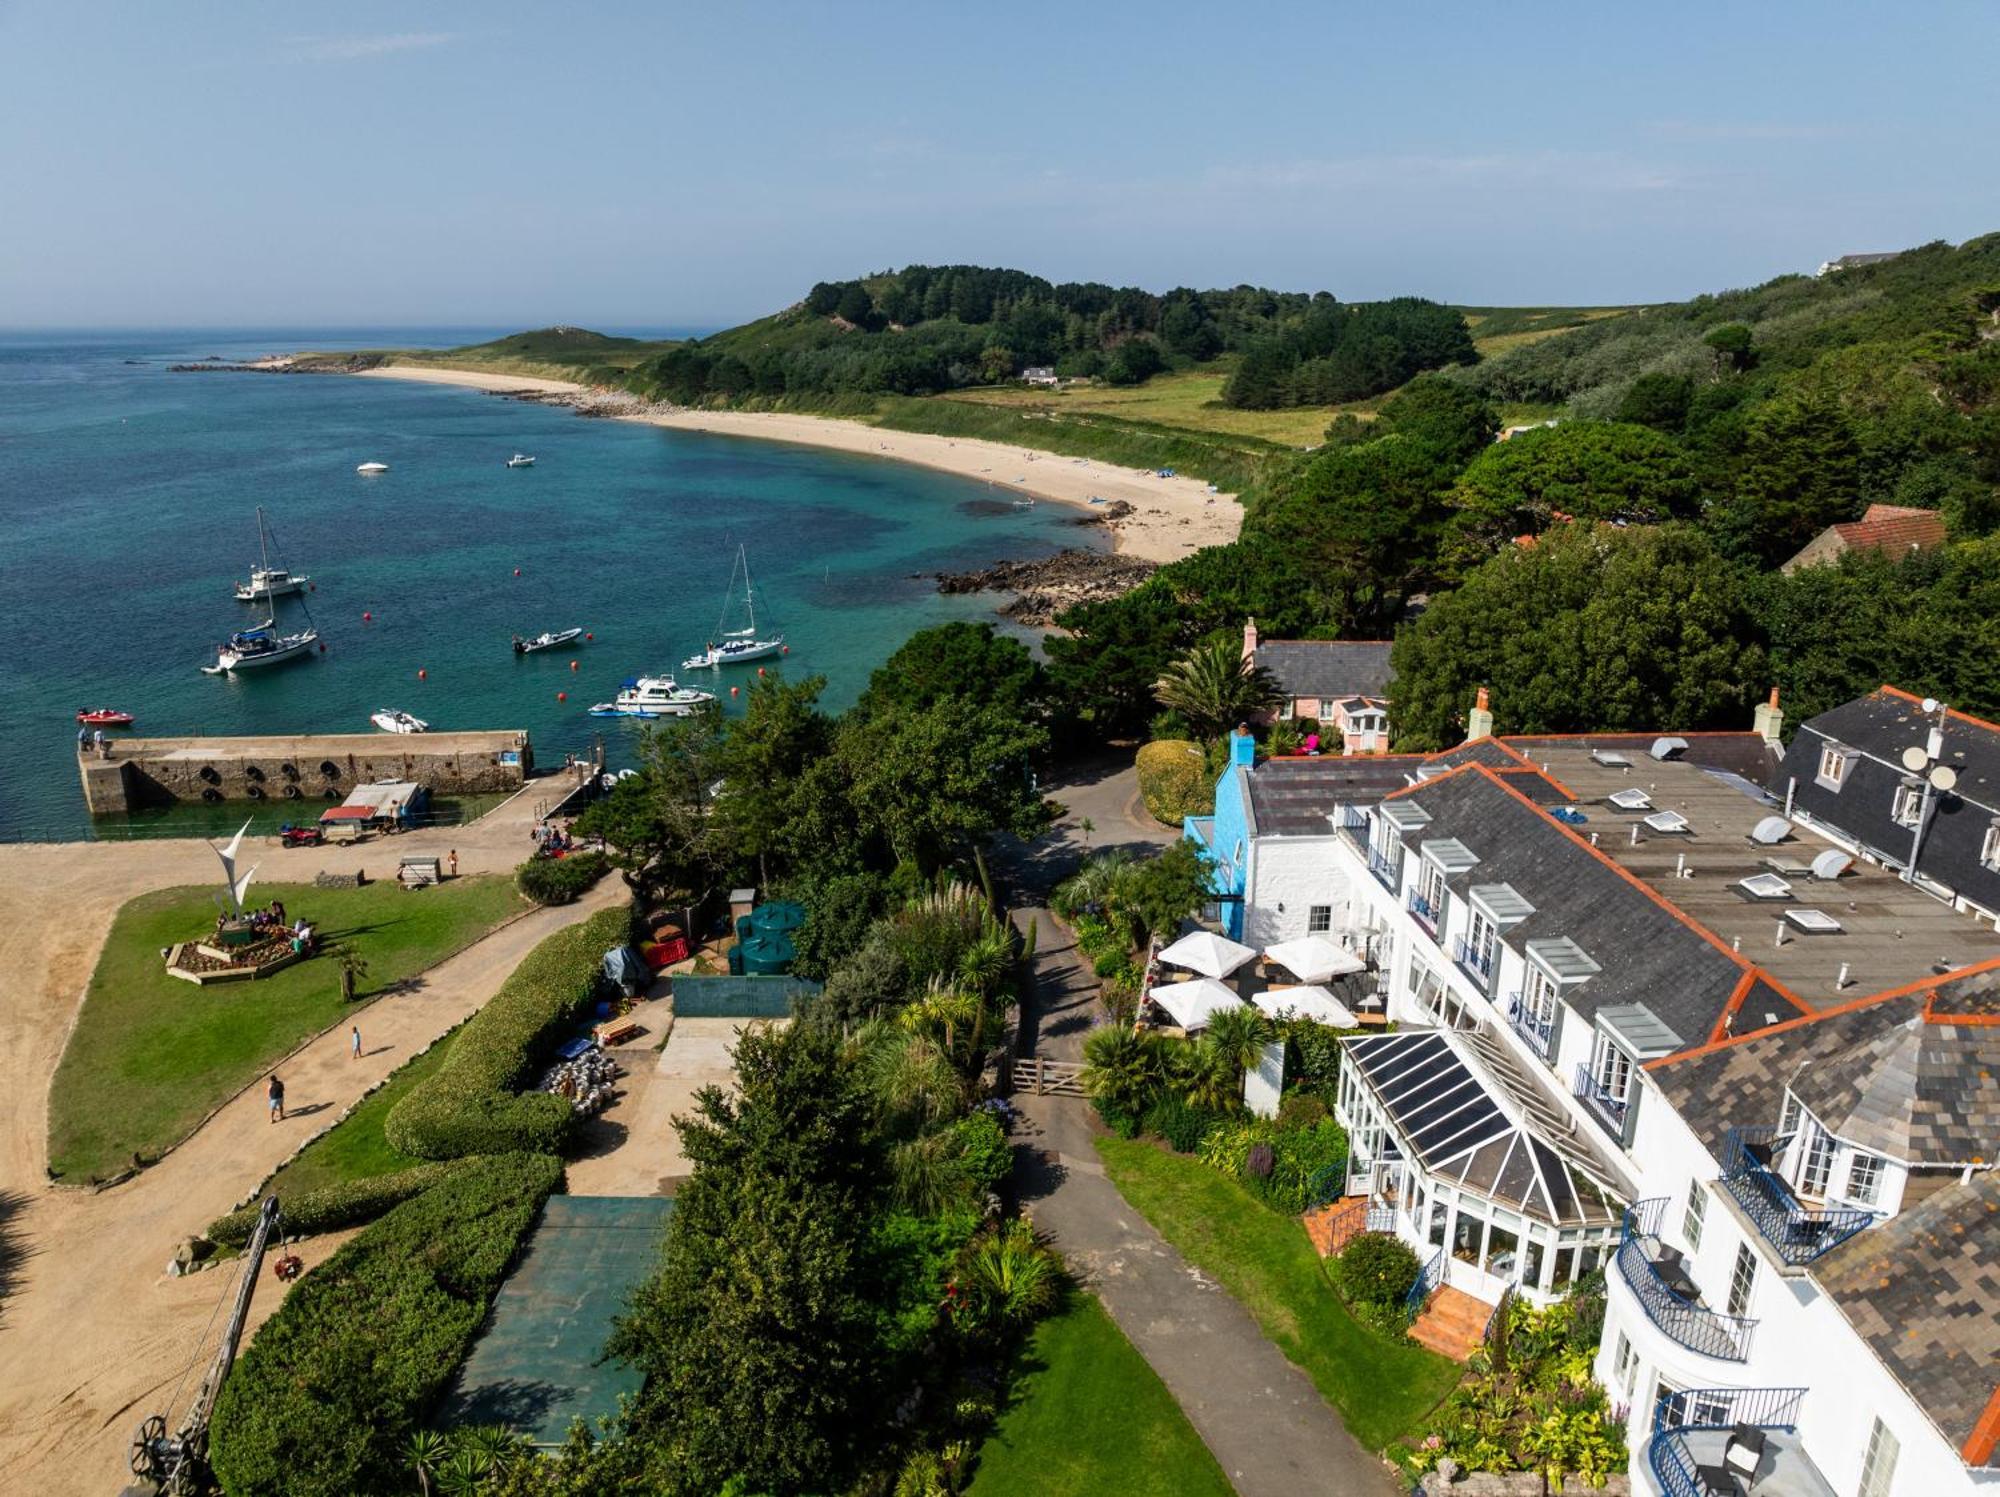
(465, 1472)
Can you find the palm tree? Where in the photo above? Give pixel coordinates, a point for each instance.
(1238, 1035)
(426, 1452)
(1092, 885)
(1214, 687)
(946, 1009)
(1122, 1067)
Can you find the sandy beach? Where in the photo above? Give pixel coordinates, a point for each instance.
(1171, 518)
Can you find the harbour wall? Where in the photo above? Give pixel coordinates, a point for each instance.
(319, 768)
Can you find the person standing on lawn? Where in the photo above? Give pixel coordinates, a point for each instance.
(276, 1094)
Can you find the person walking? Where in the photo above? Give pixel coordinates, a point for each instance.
(276, 1093)
(454, 862)
(354, 1043)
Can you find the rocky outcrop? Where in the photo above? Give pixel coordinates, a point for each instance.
(1046, 587)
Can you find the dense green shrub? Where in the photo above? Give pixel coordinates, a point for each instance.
(468, 1105)
(1375, 1269)
(1303, 1152)
(1312, 1054)
(1180, 1123)
(985, 1155)
(1301, 1109)
(333, 1206)
(1120, 1119)
(560, 880)
(328, 1394)
(1174, 781)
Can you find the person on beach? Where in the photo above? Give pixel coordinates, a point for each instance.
(453, 862)
(354, 1043)
(276, 1094)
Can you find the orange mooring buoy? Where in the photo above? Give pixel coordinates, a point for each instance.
(562, 696)
(572, 665)
(422, 674)
(517, 571)
(367, 618)
(760, 670)
(590, 636)
(734, 690)
(786, 650)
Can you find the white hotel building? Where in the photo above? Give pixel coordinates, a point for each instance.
(1643, 1024)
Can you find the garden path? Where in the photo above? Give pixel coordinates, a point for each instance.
(95, 1335)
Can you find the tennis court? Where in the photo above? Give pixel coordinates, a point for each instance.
(535, 1365)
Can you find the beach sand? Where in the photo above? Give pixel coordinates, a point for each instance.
(1172, 517)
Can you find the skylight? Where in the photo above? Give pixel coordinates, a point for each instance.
(1818, 922)
(1667, 821)
(1610, 760)
(1634, 799)
(1765, 886)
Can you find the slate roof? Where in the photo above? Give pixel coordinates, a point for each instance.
(1648, 954)
(1891, 1075)
(1880, 726)
(1294, 797)
(1923, 1289)
(1328, 668)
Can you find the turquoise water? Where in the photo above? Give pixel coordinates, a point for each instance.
(127, 497)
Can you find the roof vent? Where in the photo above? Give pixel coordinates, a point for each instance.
(1668, 748)
(1771, 831)
(1830, 864)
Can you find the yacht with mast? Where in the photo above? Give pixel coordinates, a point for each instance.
(268, 582)
(736, 646)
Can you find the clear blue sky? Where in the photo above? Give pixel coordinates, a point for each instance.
(625, 165)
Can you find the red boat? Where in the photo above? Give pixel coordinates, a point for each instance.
(104, 717)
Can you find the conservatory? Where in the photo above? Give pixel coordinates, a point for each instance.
(1474, 1165)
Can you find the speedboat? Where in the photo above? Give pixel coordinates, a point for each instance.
(373, 468)
(737, 645)
(547, 640)
(104, 717)
(249, 649)
(520, 460)
(653, 696)
(393, 720)
(269, 582)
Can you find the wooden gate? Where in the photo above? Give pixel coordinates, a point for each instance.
(1048, 1078)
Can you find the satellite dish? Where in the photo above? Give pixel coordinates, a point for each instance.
(1944, 777)
(1930, 704)
(1915, 758)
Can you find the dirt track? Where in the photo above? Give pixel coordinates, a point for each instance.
(93, 1335)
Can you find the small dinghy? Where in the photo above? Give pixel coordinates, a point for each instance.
(373, 468)
(547, 640)
(520, 460)
(393, 720)
(104, 717)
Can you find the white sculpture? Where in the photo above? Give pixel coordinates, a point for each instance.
(235, 887)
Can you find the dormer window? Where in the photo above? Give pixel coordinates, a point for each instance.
(1989, 849)
(1908, 804)
(1834, 762)
(1864, 1179)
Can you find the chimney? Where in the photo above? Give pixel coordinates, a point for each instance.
(1249, 639)
(1768, 720)
(1479, 724)
(1242, 747)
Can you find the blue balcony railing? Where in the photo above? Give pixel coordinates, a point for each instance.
(1688, 1322)
(1796, 1232)
(1475, 964)
(1388, 871)
(1537, 1031)
(1428, 915)
(1675, 1468)
(1610, 1110)
(1428, 1278)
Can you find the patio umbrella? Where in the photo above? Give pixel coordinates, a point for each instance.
(1314, 958)
(1313, 1003)
(1205, 952)
(1195, 1002)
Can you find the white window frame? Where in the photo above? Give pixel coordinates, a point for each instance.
(1878, 1462)
(1432, 889)
(1319, 919)
(1607, 1061)
(1742, 1280)
(1624, 1364)
(1482, 939)
(1834, 763)
(1814, 1152)
(1864, 1177)
(1907, 806)
(1693, 1216)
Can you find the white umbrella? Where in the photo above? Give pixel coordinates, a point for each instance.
(1313, 1003)
(1314, 958)
(1205, 952)
(1195, 1002)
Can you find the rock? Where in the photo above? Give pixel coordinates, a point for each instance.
(1048, 586)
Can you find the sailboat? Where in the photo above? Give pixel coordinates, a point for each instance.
(266, 644)
(736, 646)
(268, 582)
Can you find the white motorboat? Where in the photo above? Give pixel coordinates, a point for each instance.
(393, 720)
(653, 696)
(373, 468)
(547, 640)
(736, 646)
(250, 649)
(520, 460)
(266, 581)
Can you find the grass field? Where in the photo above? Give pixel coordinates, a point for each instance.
(1381, 1387)
(1089, 1418)
(151, 1056)
(355, 1148)
(1191, 399)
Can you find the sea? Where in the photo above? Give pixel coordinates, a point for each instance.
(128, 498)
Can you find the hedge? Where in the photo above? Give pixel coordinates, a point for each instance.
(324, 1401)
(469, 1105)
(1174, 781)
(333, 1206)
(560, 880)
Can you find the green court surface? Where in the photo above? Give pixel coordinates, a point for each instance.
(535, 1365)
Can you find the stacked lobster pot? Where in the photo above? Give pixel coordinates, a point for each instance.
(589, 1081)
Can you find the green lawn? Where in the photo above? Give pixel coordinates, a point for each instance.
(152, 1055)
(1090, 1419)
(1381, 1387)
(355, 1148)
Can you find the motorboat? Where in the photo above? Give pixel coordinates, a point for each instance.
(250, 649)
(520, 460)
(653, 696)
(373, 468)
(393, 720)
(104, 717)
(736, 646)
(547, 640)
(266, 581)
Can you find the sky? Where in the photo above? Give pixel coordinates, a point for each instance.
(624, 166)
